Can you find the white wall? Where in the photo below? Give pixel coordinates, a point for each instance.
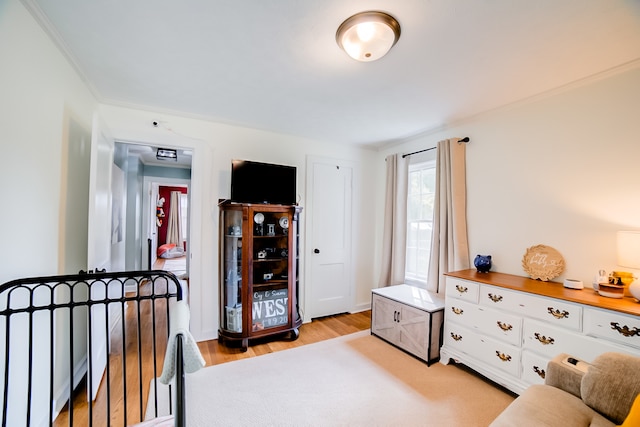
(561, 170)
(45, 129)
(214, 146)
(41, 94)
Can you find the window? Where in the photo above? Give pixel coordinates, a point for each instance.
(420, 200)
(184, 214)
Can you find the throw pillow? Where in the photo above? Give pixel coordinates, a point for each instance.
(611, 384)
(633, 419)
(163, 249)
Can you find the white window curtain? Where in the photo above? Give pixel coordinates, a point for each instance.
(449, 245)
(174, 230)
(394, 243)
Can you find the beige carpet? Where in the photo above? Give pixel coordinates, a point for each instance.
(354, 380)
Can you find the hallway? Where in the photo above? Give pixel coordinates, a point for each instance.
(177, 266)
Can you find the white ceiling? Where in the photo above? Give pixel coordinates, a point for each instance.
(275, 65)
(147, 155)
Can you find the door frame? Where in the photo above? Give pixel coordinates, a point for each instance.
(204, 322)
(308, 227)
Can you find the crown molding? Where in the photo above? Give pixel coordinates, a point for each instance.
(43, 21)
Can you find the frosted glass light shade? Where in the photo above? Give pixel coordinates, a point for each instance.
(368, 36)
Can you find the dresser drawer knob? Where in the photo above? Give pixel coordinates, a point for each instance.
(503, 357)
(541, 373)
(456, 337)
(462, 289)
(495, 298)
(504, 326)
(557, 313)
(544, 340)
(625, 330)
(457, 310)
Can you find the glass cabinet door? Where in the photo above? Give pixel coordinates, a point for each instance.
(231, 222)
(270, 269)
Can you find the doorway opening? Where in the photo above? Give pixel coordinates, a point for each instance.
(172, 225)
(157, 207)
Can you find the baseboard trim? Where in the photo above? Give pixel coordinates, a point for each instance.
(361, 307)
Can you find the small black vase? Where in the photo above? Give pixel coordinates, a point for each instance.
(482, 263)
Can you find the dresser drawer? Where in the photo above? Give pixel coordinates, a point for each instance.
(500, 355)
(500, 324)
(461, 312)
(462, 289)
(547, 340)
(496, 323)
(461, 339)
(534, 368)
(612, 326)
(550, 310)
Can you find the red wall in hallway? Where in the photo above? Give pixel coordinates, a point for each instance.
(165, 191)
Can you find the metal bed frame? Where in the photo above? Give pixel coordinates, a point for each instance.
(57, 324)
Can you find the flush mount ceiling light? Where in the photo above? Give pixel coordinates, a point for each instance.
(367, 36)
(167, 154)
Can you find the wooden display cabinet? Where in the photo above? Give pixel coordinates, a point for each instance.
(258, 272)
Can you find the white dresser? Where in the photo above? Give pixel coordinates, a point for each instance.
(508, 327)
(409, 318)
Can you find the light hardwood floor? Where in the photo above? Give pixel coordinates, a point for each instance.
(318, 330)
(213, 352)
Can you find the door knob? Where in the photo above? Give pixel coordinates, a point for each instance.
(316, 251)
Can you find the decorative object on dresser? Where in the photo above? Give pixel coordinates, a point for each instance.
(611, 290)
(509, 327)
(482, 263)
(601, 277)
(629, 256)
(258, 277)
(543, 262)
(409, 318)
(573, 284)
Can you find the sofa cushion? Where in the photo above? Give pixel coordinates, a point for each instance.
(547, 406)
(611, 384)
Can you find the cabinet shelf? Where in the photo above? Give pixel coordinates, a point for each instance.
(270, 284)
(258, 296)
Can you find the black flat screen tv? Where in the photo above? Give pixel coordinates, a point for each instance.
(255, 182)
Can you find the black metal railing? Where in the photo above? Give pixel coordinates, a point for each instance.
(86, 348)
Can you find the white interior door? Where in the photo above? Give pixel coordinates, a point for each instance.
(149, 251)
(99, 243)
(99, 234)
(330, 284)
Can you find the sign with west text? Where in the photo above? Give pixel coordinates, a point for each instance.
(270, 308)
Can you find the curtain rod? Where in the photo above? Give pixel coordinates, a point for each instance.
(465, 139)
